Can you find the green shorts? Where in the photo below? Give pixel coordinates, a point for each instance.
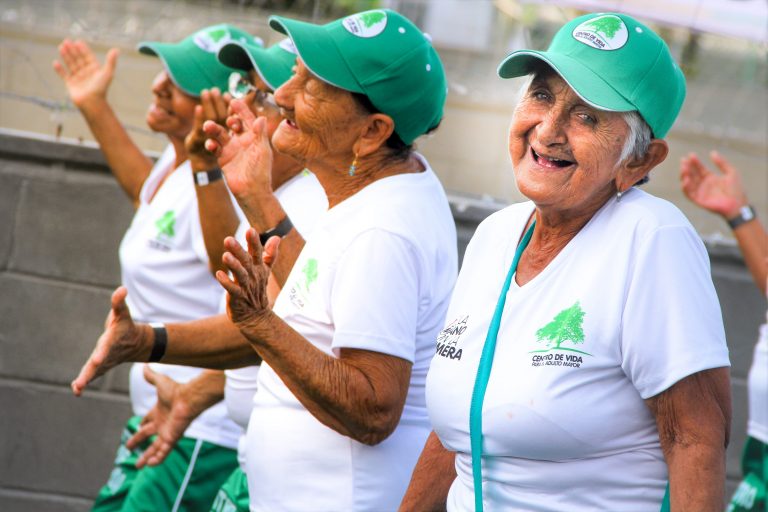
(750, 494)
(187, 480)
(233, 495)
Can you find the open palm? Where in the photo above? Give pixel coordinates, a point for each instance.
(718, 193)
(82, 73)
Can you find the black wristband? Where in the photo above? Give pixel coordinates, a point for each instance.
(746, 214)
(161, 342)
(203, 178)
(280, 230)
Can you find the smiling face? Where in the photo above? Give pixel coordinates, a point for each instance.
(171, 111)
(322, 122)
(564, 152)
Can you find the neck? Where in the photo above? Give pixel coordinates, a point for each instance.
(339, 185)
(180, 149)
(281, 177)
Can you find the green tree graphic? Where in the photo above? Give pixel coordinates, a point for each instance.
(566, 326)
(217, 33)
(607, 25)
(310, 272)
(166, 223)
(371, 18)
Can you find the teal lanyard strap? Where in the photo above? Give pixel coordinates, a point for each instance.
(484, 372)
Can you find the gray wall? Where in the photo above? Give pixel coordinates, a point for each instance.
(61, 220)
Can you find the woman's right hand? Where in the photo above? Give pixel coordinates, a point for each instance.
(86, 79)
(213, 107)
(719, 193)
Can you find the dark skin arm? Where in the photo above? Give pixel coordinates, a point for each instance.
(432, 477)
(693, 418)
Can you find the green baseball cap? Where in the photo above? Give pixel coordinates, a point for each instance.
(380, 54)
(613, 62)
(274, 65)
(192, 63)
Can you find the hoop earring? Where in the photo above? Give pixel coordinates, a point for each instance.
(353, 167)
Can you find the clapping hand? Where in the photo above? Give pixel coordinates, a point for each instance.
(213, 107)
(86, 79)
(719, 193)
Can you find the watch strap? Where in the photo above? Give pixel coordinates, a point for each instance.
(203, 178)
(746, 214)
(280, 230)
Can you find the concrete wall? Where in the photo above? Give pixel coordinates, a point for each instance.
(61, 220)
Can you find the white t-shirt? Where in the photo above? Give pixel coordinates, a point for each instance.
(625, 310)
(375, 274)
(304, 201)
(165, 269)
(757, 383)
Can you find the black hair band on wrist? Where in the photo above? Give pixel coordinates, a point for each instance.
(280, 230)
(161, 342)
(203, 178)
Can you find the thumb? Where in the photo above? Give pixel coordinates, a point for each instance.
(150, 375)
(111, 62)
(271, 249)
(119, 306)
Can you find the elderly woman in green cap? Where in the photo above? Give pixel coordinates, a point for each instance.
(583, 363)
(339, 415)
(183, 211)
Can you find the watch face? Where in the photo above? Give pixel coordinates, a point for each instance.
(747, 213)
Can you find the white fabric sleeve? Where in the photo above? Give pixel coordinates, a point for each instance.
(672, 325)
(375, 296)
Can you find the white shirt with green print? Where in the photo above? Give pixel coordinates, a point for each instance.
(164, 266)
(625, 310)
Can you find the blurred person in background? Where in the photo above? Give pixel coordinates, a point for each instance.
(304, 201)
(339, 415)
(170, 251)
(723, 194)
(609, 380)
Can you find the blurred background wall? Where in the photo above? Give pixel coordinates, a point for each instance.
(62, 215)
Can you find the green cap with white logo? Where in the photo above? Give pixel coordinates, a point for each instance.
(380, 54)
(613, 62)
(192, 63)
(274, 65)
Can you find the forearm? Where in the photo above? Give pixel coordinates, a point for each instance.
(696, 477)
(203, 392)
(128, 163)
(753, 241)
(288, 252)
(361, 394)
(212, 342)
(218, 220)
(432, 477)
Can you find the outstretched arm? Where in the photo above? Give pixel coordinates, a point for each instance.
(432, 477)
(693, 419)
(218, 218)
(87, 83)
(177, 407)
(724, 195)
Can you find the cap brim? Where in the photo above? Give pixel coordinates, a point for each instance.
(586, 83)
(236, 55)
(317, 49)
(174, 61)
(273, 64)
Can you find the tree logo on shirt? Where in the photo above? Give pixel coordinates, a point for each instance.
(566, 327)
(165, 225)
(310, 272)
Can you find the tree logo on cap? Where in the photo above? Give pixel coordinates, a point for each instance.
(606, 32)
(366, 24)
(287, 45)
(212, 39)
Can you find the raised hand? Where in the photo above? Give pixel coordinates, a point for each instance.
(213, 107)
(244, 152)
(719, 193)
(168, 419)
(247, 300)
(121, 341)
(86, 79)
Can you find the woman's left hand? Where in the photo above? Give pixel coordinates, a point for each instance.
(247, 301)
(213, 107)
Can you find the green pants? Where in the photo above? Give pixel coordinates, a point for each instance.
(187, 480)
(233, 495)
(750, 495)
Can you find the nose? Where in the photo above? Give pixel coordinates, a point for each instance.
(551, 130)
(160, 85)
(285, 93)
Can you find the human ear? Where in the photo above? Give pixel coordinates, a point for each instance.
(637, 168)
(374, 133)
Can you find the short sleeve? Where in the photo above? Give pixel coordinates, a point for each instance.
(375, 296)
(672, 325)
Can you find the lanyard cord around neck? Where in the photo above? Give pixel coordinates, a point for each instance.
(484, 372)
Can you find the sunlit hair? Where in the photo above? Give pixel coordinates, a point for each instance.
(638, 139)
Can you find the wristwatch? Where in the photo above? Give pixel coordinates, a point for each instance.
(280, 230)
(746, 214)
(203, 178)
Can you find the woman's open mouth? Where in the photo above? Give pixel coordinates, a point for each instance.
(550, 162)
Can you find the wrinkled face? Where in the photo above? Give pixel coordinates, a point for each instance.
(321, 121)
(172, 111)
(564, 152)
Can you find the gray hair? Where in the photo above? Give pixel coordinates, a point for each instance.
(639, 136)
